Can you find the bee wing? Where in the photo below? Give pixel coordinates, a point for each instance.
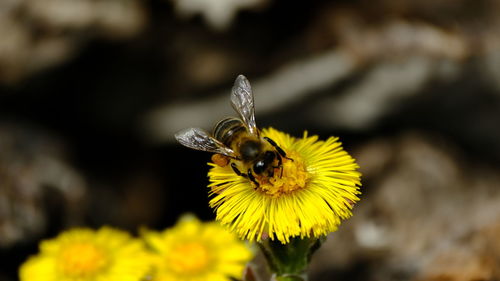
(242, 102)
(198, 139)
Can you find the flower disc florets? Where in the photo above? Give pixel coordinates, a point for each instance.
(307, 196)
(196, 251)
(83, 254)
(291, 176)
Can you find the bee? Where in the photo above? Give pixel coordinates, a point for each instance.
(237, 141)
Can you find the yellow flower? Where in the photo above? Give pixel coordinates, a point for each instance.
(308, 196)
(83, 254)
(196, 251)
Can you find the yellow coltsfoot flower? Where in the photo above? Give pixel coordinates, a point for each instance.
(83, 254)
(308, 196)
(196, 251)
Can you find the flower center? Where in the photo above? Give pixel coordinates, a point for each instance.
(290, 177)
(82, 259)
(189, 257)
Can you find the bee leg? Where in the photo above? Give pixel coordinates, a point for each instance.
(271, 172)
(248, 175)
(237, 171)
(252, 178)
(281, 152)
(280, 165)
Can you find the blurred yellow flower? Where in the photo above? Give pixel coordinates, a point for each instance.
(308, 196)
(83, 254)
(196, 251)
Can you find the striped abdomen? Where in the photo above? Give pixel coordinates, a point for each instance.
(227, 129)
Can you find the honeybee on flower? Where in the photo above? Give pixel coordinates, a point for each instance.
(237, 141)
(265, 183)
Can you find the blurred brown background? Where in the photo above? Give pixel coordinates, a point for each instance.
(91, 92)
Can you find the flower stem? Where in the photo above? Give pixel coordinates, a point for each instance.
(288, 262)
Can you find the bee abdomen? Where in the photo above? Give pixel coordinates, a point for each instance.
(228, 128)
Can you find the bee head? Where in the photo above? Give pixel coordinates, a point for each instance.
(262, 164)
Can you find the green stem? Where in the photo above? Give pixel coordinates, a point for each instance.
(289, 262)
(291, 278)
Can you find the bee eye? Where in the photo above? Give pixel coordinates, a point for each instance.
(259, 167)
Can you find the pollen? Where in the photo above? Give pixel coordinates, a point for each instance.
(82, 259)
(189, 257)
(291, 176)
